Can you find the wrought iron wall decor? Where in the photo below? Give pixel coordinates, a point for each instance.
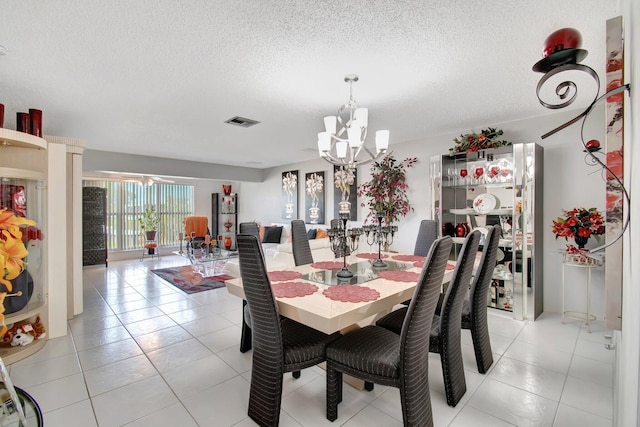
(562, 53)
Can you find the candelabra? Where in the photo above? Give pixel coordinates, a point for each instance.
(343, 241)
(382, 235)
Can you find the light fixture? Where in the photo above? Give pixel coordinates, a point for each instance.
(343, 146)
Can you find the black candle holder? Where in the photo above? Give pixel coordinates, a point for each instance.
(380, 235)
(344, 241)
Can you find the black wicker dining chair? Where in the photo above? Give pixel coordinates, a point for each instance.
(427, 234)
(474, 310)
(445, 330)
(279, 344)
(300, 243)
(245, 337)
(380, 356)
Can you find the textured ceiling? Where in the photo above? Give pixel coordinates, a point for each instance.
(160, 77)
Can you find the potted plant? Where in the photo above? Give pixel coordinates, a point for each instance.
(386, 192)
(149, 221)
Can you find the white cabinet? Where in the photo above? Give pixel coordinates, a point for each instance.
(497, 186)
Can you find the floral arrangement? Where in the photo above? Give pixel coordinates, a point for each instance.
(579, 222)
(387, 190)
(12, 254)
(315, 183)
(487, 138)
(149, 220)
(344, 179)
(289, 184)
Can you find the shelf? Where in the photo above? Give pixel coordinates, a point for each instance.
(503, 243)
(508, 184)
(470, 211)
(14, 138)
(13, 354)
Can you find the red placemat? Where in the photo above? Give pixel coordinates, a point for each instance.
(348, 293)
(328, 265)
(420, 264)
(399, 275)
(293, 289)
(408, 258)
(371, 255)
(282, 275)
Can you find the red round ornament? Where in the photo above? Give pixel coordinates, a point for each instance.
(564, 38)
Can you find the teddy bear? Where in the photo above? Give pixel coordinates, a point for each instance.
(23, 333)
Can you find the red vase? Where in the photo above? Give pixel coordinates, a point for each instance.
(461, 230)
(23, 122)
(227, 242)
(35, 117)
(226, 189)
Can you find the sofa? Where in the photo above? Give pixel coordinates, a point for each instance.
(279, 255)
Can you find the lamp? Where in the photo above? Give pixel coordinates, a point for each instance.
(342, 146)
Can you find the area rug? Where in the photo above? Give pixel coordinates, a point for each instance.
(189, 281)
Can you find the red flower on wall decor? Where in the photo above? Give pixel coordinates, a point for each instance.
(579, 223)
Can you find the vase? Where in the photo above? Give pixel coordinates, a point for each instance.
(581, 241)
(226, 189)
(461, 230)
(22, 122)
(288, 208)
(35, 122)
(227, 242)
(314, 214)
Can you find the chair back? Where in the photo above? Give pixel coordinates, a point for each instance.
(300, 243)
(250, 228)
(414, 337)
(427, 234)
(482, 278)
(265, 319)
(451, 313)
(196, 224)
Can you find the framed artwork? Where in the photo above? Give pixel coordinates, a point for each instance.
(345, 189)
(314, 198)
(290, 195)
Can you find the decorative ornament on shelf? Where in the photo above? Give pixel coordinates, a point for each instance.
(487, 138)
(342, 146)
(387, 190)
(580, 224)
(12, 255)
(226, 189)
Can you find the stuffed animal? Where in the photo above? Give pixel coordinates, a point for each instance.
(23, 333)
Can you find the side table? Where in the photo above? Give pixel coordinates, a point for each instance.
(588, 264)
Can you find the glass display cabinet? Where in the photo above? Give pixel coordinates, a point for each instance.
(22, 195)
(500, 186)
(224, 216)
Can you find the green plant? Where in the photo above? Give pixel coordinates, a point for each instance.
(149, 219)
(387, 190)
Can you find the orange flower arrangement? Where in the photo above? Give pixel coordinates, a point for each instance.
(12, 254)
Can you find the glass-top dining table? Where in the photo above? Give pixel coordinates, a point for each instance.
(314, 295)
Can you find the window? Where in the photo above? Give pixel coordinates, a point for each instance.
(127, 200)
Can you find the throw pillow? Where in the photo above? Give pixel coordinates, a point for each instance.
(311, 234)
(272, 234)
(321, 233)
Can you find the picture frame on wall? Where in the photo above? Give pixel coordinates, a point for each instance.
(290, 195)
(314, 198)
(345, 188)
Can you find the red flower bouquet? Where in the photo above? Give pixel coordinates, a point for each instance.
(579, 223)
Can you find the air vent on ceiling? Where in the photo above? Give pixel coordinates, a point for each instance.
(241, 121)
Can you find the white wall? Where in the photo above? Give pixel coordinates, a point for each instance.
(568, 183)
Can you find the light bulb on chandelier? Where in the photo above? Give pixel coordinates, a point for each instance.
(343, 150)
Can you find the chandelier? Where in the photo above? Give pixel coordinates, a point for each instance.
(343, 146)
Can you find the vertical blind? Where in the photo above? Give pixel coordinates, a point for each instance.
(127, 200)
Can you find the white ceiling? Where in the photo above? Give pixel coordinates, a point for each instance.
(160, 77)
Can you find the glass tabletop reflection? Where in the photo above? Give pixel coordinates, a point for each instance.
(362, 271)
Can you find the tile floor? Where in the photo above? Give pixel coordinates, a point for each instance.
(145, 354)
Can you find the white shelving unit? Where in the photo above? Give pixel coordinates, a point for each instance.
(511, 179)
